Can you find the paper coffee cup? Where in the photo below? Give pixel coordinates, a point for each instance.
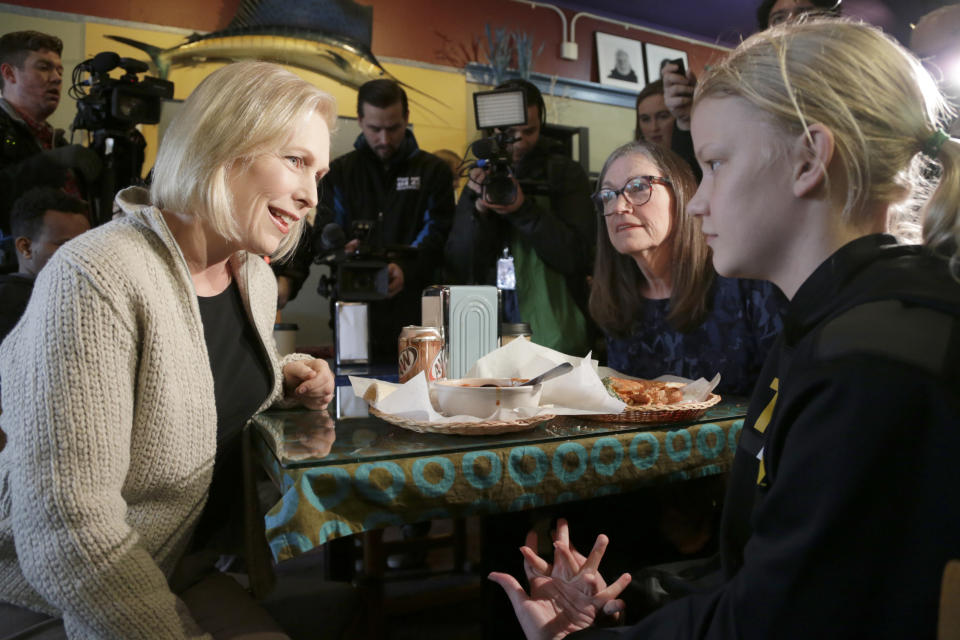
(285, 335)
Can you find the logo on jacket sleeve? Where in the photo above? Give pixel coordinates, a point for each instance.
(408, 183)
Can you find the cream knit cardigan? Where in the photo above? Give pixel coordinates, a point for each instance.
(108, 406)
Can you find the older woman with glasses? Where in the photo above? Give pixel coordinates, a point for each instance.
(655, 294)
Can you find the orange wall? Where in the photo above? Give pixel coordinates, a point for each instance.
(408, 28)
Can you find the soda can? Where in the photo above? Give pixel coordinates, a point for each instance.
(421, 349)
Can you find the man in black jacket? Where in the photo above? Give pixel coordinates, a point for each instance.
(407, 195)
(549, 231)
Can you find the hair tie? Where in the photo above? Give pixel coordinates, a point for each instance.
(931, 147)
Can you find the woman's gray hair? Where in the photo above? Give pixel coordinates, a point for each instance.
(236, 113)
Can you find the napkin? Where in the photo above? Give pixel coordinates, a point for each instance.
(578, 392)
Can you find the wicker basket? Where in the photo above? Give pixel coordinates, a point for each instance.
(463, 428)
(658, 412)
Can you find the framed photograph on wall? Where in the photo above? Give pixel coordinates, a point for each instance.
(620, 61)
(656, 56)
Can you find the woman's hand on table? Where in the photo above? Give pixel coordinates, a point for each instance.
(565, 596)
(310, 382)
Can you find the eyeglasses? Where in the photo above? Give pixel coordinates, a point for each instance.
(637, 191)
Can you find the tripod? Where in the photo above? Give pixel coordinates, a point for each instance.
(122, 153)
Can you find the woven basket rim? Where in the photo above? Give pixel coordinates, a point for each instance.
(463, 428)
(659, 412)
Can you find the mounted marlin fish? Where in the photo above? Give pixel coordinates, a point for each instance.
(329, 37)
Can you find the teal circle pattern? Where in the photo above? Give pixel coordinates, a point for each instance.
(521, 477)
(380, 519)
(322, 503)
(566, 496)
(678, 455)
(609, 468)
(496, 469)
(644, 463)
(425, 486)
(288, 506)
(573, 475)
(290, 539)
(703, 444)
(733, 435)
(380, 496)
(709, 470)
(526, 501)
(333, 529)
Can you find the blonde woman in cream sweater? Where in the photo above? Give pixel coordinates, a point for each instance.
(145, 348)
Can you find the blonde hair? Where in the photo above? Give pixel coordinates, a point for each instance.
(236, 113)
(615, 298)
(881, 105)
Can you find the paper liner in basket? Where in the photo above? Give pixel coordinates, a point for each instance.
(577, 392)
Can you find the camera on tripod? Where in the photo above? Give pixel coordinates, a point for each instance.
(362, 275)
(110, 109)
(497, 110)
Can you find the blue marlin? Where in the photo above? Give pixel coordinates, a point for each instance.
(329, 37)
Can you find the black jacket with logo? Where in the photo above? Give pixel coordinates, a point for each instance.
(842, 508)
(414, 192)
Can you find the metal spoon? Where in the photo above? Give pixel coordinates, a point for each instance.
(549, 374)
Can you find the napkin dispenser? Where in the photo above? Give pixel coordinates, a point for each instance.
(468, 316)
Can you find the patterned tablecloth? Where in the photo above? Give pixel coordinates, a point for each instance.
(365, 474)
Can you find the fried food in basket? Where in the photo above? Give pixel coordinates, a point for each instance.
(641, 393)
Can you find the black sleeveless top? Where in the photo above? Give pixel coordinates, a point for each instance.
(241, 382)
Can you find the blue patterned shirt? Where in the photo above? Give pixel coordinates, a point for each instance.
(739, 329)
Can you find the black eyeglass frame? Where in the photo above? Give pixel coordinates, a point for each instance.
(651, 180)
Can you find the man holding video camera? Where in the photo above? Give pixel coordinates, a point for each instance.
(548, 231)
(400, 196)
(32, 153)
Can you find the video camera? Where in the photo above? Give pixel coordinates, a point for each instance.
(497, 109)
(110, 108)
(360, 276)
(116, 103)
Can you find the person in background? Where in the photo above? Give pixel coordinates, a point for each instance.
(655, 294)
(850, 436)
(678, 88)
(404, 191)
(771, 13)
(42, 220)
(548, 231)
(654, 120)
(32, 154)
(145, 348)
